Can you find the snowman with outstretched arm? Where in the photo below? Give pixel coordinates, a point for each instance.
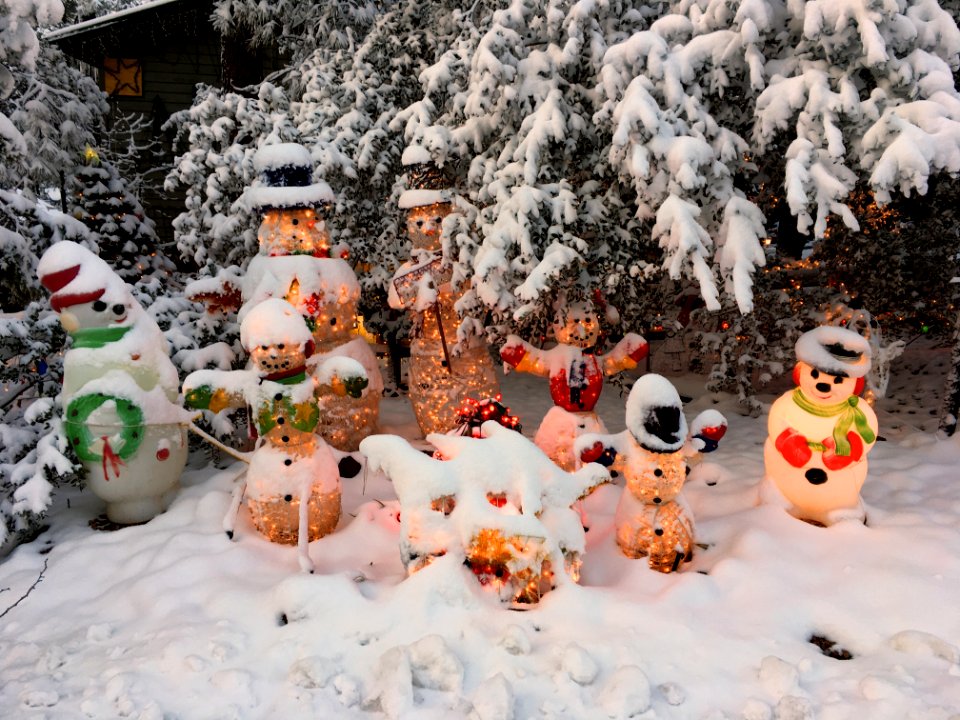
(820, 432)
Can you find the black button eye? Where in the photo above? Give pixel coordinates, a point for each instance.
(119, 309)
(837, 380)
(99, 306)
(438, 220)
(419, 223)
(264, 347)
(280, 346)
(295, 221)
(814, 373)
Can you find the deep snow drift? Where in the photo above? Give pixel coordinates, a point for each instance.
(172, 620)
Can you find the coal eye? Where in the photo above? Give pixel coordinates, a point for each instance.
(280, 346)
(438, 220)
(419, 223)
(295, 221)
(99, 306)
(119, 309)
(837, 380)
(814, 374)
(264, 347)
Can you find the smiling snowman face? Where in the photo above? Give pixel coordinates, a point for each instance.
(96, 314)
(579, 326)
(425, 223)
(823, 388)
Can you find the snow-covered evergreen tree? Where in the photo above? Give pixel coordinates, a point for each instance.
(594, 144)
(99, 198)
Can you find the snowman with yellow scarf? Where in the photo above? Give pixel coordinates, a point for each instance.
(820, 432)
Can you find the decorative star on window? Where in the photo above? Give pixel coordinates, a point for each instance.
(122, 77)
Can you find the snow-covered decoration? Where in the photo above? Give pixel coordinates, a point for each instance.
(293, 483)
(445, 366)
(576, 375)
(653, 519)
(474, 413)
(497, 503)
(120, 388)
(819, 433)
(126, 238)
(881, 355)
(296, 264)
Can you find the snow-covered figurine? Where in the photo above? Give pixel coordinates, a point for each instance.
(297, 263)
(120, 388)
(820, 432)
(293, 483)
(443, 370)
(495, 503)
(653, 519)
(576, 376)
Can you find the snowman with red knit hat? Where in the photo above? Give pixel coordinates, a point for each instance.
(820, 432)
(120, 388)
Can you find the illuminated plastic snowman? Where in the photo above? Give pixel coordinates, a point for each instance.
(120, 388)
(293, 483)
(576, 376)
(820, 432)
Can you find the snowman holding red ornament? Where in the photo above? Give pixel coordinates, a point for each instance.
(820, 432)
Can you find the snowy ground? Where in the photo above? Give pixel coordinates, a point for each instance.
(171, 620)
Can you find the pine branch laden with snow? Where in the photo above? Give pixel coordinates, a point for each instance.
(866, 91)
(574, 128)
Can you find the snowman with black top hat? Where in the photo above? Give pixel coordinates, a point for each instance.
(820, 432)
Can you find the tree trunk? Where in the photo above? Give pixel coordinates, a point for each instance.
(950, 410)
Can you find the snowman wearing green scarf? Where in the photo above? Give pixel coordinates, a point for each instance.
(820, 432)
(122, 416)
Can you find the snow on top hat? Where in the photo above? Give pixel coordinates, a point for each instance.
(75, 276)
(286, 172)
(427, 184)
(835, 350)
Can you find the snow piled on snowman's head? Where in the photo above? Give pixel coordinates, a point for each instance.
(274, 322)
(537, 495)
(835, 350)
(74, 276)
(655, 414)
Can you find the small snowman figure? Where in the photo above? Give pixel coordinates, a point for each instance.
(120, 389)
(820, 433)
(293, 483)
(576, 375)
(653, 519)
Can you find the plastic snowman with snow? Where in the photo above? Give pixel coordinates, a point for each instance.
(444, 368)
(653, 519)
(293, 482)
(495, 503)
(820, 432)
(120, 389)
(576, 375)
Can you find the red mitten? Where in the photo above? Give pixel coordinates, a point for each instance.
(793, 446)
(714, 433)
(640, 351)
(512, 354)
(832, 461)
(592, 453)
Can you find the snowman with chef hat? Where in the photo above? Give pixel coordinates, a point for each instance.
(820, 432)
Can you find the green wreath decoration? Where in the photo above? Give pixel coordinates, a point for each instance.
(80, 408)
